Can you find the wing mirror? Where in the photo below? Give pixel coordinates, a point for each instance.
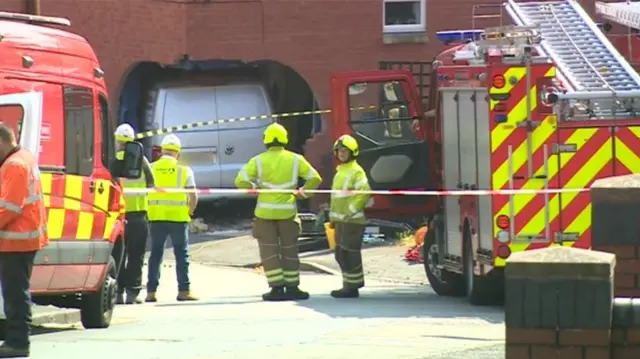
(132, 161)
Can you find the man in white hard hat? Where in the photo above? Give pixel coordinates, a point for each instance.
(137, 226)
(170, 214)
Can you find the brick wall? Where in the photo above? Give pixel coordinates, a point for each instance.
(616, 228)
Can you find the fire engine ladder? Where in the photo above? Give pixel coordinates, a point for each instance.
(624, 13)
(586, 59)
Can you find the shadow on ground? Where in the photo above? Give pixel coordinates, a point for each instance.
(41, 330)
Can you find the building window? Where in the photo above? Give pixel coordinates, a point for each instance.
(404, 16)
(78, 130)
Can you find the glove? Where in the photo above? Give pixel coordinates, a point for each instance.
(299, 193)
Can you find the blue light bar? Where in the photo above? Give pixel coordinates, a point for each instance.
(459, 35)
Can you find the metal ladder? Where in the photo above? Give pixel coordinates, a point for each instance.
(582, 53)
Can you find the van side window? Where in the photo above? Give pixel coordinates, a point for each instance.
(78, 130)
(107, 132)
(12, 116)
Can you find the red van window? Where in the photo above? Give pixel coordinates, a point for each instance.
(12, 116)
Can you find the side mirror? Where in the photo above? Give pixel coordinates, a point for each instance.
(132, 161)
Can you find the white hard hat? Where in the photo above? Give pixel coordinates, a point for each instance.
(125, 133)
(171, 142)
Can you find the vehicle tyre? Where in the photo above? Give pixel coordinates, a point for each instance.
(444, 283)
(96, 309)
(479, 290)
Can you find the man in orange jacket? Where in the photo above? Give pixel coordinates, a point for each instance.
(22, 233)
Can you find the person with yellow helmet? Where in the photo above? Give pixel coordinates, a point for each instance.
(277, 226)
(169, 215)
(136, 228)
(346, 215)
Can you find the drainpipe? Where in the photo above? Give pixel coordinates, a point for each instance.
(32, 7)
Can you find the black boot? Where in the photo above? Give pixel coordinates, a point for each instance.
(294, 293)
(7, 351)
(345, 293)
(275, 295)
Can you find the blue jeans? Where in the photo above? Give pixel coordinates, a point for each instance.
(179, 233)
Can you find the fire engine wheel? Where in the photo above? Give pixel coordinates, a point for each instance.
(479, 290)
(444, 283)
(97, 308)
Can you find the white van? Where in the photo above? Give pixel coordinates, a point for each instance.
(215, 153)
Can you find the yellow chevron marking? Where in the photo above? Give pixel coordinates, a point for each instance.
(627, 157)
(55, 223)
(85, 226)
(516, 72)
(519, 156)
(72, 192)
(580, 224)
(579, 180)
(580, 137)
(551, 72)
(516, 114)
(635, 131)
(46, 181)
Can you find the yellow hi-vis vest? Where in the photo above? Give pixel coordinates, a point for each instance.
(277, 168)
(346, 207)
(170, 207)
(134, 202)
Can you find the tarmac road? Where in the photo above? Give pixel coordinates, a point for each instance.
(389, 321)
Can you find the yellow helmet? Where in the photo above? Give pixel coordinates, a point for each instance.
(276, 134)
(348, 142)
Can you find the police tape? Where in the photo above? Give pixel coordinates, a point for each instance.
(275, 116)
(506, 192)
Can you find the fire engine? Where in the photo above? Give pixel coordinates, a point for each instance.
(547, 103)
(54, 96)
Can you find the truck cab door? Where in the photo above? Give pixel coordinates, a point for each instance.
(23, 113)
(382, 110)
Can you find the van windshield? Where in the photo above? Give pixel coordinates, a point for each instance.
(12, 116)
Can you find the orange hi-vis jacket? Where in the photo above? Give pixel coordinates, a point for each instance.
(22, 213)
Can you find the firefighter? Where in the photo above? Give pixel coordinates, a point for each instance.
(23, 231)
(169, 215)
(346, 215)
(136, 227)
(277, 226)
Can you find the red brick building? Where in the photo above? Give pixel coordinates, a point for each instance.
(313, 37)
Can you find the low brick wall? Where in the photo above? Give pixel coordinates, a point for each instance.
(625, 333)
(615, 228)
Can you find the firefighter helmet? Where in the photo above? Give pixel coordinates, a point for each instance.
(276, 134)
(348, 142)
(171, 142)
(124, 133)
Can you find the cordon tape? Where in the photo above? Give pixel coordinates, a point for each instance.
(275, 116)
(506, 192)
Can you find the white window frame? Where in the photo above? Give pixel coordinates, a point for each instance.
(421, 27)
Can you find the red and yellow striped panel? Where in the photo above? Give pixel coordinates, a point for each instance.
(74, 212)
(505, 135)
(627, 150)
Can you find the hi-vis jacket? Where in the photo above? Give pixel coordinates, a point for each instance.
(277, 168)
(169, 207)
(23, 222)
(137, 202)
(346, 207)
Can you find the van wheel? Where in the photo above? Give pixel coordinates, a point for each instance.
(479, 290)
(97, 308)
(444, 283)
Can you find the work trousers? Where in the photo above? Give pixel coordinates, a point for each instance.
(349, 253)
(278, 243)
(15, 277)
(179, 233)
(136, 232)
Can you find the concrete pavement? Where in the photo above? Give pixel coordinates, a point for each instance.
(390, 320)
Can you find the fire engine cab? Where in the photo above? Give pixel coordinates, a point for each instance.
(52, 93)
(545, 104)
